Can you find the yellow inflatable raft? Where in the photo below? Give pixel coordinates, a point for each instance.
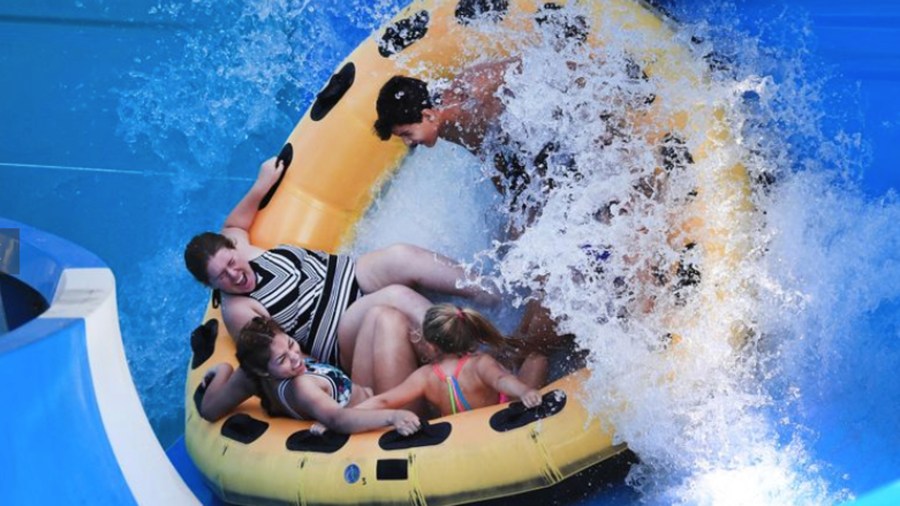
(249, 458)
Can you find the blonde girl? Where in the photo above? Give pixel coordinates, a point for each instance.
(460, 377)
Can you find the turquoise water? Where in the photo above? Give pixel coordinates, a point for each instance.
(132, 127)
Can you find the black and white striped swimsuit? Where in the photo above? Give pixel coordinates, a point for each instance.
(306, 292)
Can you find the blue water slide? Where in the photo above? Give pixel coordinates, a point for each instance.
(74, 429)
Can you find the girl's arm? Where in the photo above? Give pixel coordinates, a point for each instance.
(329, 413)
(226, 389)
(501, 380)
(238, 222)
(404, 394)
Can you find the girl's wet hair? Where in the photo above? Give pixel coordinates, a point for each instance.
(201, 248)
(253, 343)
(460, 330)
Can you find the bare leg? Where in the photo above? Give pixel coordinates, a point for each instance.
(538, 330)
(402, 299)
(416, 267)
(383, 356)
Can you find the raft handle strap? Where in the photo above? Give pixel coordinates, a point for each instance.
(286, 156)
(517, 415)
(306, 441)
(243, 428)
(333, 92)
(203, 342)
(430, 434)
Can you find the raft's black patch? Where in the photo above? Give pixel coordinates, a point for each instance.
(687, 275)
(660, 9)
(403, 34)
(305, 441)
(337, 86)
(766, 179)
(635, 72)
(716, 61)
(570, 27)
(203, 342)
(286, 157)
(470, 10)
(392, 469)
(428, 435)
(243, 428)
(517, 415)
(674, 152)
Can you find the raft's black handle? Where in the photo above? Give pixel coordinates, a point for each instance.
(327, 442)
(203, 342)
(333, 92)
(285, 157)
(517, 415)
(429, 434)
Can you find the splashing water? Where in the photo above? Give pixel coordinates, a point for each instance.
(713, 423)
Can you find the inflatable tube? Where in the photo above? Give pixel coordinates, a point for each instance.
(495, 451)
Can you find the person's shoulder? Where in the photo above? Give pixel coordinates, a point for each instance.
(484, 361)
(237, 235)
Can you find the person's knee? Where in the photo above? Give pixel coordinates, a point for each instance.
(390, 317)
(399, 296)
(402, 252)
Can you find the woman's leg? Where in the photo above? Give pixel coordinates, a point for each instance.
(416, 267)
(383, 356)
(407, 301)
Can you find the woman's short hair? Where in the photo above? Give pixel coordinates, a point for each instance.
(201, 248)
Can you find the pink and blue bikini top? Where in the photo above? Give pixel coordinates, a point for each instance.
(458, 402)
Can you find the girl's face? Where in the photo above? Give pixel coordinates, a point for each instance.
(286, 360)
(230, 272)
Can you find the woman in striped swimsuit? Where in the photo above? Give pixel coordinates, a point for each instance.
(334, 306)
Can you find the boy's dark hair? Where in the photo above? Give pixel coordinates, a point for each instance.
(400, 102)
(201, 248)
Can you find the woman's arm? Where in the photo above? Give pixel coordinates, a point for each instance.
(404, 394)
(238, 310)
(324, 409)
(501, 380)
(226, 389)
(238, 222)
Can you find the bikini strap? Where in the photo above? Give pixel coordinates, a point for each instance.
(457, 401)
(460, 363)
